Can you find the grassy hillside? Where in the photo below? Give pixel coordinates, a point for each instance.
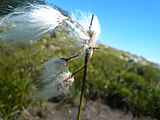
(120, 79)
(124, 83)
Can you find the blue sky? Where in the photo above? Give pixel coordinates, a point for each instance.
(129, 25)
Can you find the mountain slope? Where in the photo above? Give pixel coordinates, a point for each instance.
(118, 78)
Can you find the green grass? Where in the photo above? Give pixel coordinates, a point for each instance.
(119, 83)
(122, 84)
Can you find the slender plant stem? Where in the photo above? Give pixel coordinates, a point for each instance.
(87, 57)
(83, 86)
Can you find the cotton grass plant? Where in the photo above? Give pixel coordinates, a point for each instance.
(30, 22)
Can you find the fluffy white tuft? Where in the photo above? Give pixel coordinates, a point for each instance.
(29, 22)
(54, 79)
(52, 67)
(58, 85)
(33, 21)
(84, 19)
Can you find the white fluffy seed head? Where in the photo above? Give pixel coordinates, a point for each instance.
(30, 22)
(77, 31)
(57, 86)
(84, 19)
(33, 21)
(52, 67)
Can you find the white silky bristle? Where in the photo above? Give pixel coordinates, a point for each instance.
(52, 67)
(84, 19)
(77, 31)
(29, 22)
(58, 85)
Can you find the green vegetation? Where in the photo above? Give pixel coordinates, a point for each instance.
(20, 66)
(120, 83)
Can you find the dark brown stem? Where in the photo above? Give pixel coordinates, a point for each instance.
(87, 57)
(83, 85)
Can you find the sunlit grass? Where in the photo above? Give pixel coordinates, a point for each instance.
(119, 83)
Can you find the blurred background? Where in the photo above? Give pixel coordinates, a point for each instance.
(123, 77)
